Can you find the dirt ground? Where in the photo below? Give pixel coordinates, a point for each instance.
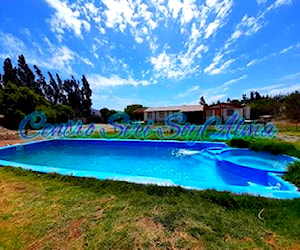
(10, 137)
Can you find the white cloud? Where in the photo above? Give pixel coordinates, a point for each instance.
(211, 28)
(11, 45)
(175, 6)
(211, 3)
(175, 66)
(222, 68)
(27, 33)
(62, 57)
(214, 94)
(87, 61)
(276, 89)
(234, 80)
(215, 98)
(259, 2)
(223, 8)
(218, 67)
(189, 11)
(218, 57)
(111, 101)
(139, 39)
(284, 90)
(92, 9)
(277, 4)
(65, 18)
(45, 55)
(249, 25)
(236, 34)
(119, 14)
(189, 92)
(286, 49)
(98, 81)
(252, 62)
(291, 77)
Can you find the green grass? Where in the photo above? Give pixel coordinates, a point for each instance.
(293, 174)
(48, 211)
(273, 146)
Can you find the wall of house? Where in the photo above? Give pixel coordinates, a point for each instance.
(157, 116)
(227, 112)
(209, 113)
(247, 112)
(230, 111)
(160, 116)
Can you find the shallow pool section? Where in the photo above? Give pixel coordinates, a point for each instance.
(169, 163)
(257, 160)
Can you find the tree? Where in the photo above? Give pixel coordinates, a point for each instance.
(252, 96)
(61, 96)
(257, 96)
(41, 84)
(54, 90)
(24, 73)
(1, 101)
(292, 103)
(235, 101)
(131, 108)
(244, 97)
(1, 83)
(9, 73)
(63, 113)
(23, 91)
(86, 96)
(18, 102)
(202, 101)
(106, 113)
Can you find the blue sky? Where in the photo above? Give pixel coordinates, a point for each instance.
(159, 52)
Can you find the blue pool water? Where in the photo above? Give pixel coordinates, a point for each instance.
(196, 166)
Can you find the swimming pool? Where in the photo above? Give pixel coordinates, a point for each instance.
(169, 163)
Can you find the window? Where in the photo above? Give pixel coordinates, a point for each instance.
(149, 115)
(230, 112)
(209, 113)
(161, 114)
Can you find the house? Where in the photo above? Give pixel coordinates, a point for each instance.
(225, 110)
(138, 114)
(194, 113)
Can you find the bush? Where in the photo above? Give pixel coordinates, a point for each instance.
(269, 145)
(239, 143)
(293, 174)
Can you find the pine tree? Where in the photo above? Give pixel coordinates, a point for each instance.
(24, 73)
(54, 90)
(62, 99)
(86, 97)
(9, 73)
(42, 87)
(202, 101)
(1, 83)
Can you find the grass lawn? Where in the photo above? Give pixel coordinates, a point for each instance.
(48, 211)
(56, 212)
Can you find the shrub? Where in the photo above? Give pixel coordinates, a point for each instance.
(293, 174)
(269, 145)
(239, 143)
